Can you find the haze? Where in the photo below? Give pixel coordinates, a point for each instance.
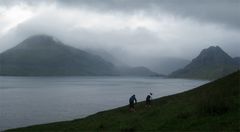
(134, 32)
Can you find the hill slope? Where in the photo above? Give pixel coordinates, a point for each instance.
(43, 55)
(237, 60)
(211, 63)
(212, 107)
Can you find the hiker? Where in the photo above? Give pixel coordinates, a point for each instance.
(132, 100)
(148, 100)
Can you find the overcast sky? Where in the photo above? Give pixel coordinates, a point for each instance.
(129, 29)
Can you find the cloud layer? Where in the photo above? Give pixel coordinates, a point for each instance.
(219, 11)
(132, 31)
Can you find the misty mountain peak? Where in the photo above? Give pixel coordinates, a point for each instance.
(42, 36)
(213, 54)
(43, 55)
(212, 50)
(38, 42)
(211, 63)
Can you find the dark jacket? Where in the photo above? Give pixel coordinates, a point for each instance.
(148, 98)
(132, 99)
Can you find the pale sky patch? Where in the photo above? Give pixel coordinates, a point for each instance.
(11, 17)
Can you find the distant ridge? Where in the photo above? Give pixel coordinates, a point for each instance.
(43, 55)
(211, 63)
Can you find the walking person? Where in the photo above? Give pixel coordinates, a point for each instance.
(132, 101)
(148, 100)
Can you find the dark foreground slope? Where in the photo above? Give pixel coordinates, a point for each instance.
(213, 107)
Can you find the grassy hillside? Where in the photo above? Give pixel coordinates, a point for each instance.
(212, 107)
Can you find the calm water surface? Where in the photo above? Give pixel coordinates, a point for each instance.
(35, 100)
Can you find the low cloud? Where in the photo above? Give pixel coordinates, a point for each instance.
(133, 32)
(225, 12)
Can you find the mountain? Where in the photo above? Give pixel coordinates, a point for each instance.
(237, 60)
(42, 55)
(211, 63)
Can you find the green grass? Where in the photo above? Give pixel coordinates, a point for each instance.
(211, 107)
